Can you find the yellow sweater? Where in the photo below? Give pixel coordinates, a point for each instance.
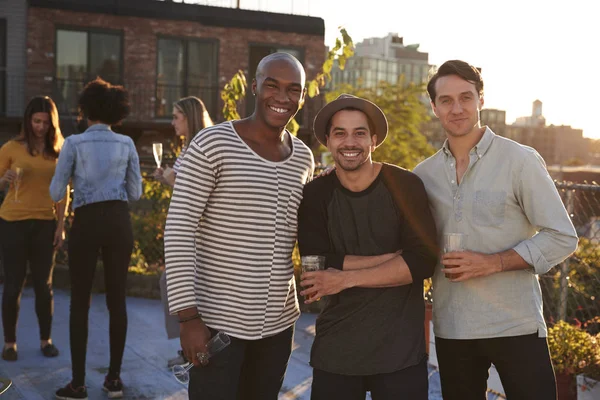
(34, 193)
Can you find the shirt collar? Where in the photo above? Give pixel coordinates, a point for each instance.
(98, 127)
(480, 148)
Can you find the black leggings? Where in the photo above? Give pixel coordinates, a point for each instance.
(99, 227)
(21, 242)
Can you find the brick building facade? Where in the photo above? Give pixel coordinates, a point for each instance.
(160, 51)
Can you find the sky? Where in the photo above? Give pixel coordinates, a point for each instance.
(527, 49)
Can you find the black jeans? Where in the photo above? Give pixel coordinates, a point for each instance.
(523, 363)
(406, 384)
(22, 242)
(244, 370)
(99, 227)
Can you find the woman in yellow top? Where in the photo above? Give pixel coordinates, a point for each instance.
(31, 224)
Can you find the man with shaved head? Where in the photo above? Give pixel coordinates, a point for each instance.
(230, 233)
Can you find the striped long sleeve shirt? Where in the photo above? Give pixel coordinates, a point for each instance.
(230, 233)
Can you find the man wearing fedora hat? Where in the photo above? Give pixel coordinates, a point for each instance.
(372, 223)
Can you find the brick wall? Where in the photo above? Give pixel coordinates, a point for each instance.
(140, 45)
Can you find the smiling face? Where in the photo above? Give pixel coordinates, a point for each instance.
(279, 89)
(349, 140)
(40, 124)
(457, 105)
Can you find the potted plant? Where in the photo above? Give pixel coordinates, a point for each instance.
(574, 351)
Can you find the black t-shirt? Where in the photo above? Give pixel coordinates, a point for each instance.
(366, 331)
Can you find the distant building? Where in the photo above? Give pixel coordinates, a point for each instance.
(495, 119)
(535, 119)
(558, 145)
(383, 59)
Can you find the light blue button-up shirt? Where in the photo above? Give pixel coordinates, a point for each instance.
(505, 200)
(104, 166)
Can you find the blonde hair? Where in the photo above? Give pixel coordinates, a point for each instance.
(195, 112)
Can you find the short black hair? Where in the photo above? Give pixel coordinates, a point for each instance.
(100, 101)
(460, 68)
(371, 124)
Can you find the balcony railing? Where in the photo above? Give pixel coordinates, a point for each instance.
(149, 100)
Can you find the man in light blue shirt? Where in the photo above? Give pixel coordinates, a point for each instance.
(487, 300)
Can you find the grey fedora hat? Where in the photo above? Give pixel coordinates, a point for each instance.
(343, 101)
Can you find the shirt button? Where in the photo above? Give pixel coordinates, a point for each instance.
(452, 164)
(453, 181)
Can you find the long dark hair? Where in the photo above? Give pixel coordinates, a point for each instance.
(53, 140)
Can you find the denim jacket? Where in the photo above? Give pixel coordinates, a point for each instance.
(104, 166)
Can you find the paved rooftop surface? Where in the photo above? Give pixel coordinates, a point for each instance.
(144, 370)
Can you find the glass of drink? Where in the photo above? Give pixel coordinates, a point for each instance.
(214, 345)
(17, 182)
(157, 149)
(454, 242)
(312, 263)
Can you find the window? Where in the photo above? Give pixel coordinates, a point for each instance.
(257, 53)
(81, 56)
(2, 67)
(186, 67)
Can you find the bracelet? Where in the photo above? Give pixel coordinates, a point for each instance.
(501, 263)
(181, 321)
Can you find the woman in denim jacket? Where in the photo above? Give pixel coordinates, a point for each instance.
(189, 118)
(105, 170)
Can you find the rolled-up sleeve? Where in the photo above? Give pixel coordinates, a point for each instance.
(313, 233)
(63, 172)
(418, 232)
(556, 237)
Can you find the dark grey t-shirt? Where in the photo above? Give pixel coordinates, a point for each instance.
(364, 331)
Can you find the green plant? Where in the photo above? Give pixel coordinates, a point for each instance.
(573, 350)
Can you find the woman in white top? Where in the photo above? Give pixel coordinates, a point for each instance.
(189, 118)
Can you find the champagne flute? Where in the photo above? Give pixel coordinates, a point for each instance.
(17, 182)
(157, 149)
(214, 345)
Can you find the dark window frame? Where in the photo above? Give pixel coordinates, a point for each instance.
(88, 30)
(3, 67)
(186, 40)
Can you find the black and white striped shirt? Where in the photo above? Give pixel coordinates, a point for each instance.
(230, 233)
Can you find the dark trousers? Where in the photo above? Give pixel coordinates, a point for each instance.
(523, 363)
(406, 384)
(245, 370)
(21, 242)
(99, 227)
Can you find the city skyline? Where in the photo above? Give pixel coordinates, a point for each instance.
(527, 50)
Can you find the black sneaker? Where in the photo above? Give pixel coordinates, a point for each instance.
(50, 350)
(9, 354)
(69, 393)
(114, 388)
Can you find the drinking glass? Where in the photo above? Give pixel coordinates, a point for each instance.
(454, 242)
(17, 182)
(312, 263)
(214, 345)
(157, 149)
